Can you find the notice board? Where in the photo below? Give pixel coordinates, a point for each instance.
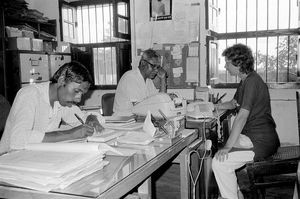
(176, 59)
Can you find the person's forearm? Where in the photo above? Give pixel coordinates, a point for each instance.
(226, 105)
(236, 130)
(56, 136)
(163, 85)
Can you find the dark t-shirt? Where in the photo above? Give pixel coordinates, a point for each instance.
(253, 95)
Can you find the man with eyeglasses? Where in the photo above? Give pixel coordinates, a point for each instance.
(136, 84)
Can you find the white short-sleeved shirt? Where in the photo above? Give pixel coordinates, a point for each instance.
(31, 115)
(131, 88)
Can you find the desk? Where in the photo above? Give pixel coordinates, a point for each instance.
(117, 178)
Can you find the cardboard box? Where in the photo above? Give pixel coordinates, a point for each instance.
(63, 47)
(19, 43)
(37, 44)
(13, 32)
(27, 33)
(48, 46)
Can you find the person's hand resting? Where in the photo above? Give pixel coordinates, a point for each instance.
(162, 74)
(92, 121)
(222, 154)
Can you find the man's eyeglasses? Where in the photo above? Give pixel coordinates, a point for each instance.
(154, 66)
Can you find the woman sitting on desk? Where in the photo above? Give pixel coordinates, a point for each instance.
(253, 135)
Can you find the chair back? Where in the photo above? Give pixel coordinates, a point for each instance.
(107, 103)
(4, 111)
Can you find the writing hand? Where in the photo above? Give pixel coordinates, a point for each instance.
(82, 131)
(92, 121)
(222, 154)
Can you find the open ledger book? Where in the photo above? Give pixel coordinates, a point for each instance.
(48, 166)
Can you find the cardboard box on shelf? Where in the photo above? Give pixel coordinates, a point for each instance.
(48, 46)
(37, 44)
(19, 43)
(63, 47)
(27, 33)
(13, 32)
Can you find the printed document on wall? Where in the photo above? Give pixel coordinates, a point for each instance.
(192, 69)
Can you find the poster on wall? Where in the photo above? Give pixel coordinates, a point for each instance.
(160, 10)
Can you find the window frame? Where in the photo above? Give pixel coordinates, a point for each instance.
(119, 45)
(214, 36)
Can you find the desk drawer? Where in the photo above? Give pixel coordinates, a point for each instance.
(34, 68)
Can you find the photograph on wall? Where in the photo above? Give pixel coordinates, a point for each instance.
(160, 10)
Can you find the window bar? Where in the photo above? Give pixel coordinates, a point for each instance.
(103, 23)
(111, 64)
(256, 40)
(288, 58)
(289, 14)
(96, 24)
(96, 65)
(277, 66)
(278, 14)
(82, 39)
(268, 16)
(236, 28)
(68, 19)
(236, 15)
(110, 30)
(246, 20)
(226, 76)
(267, 58)
(104, 65)
(89, 24)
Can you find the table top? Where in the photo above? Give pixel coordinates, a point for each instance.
(117, 178)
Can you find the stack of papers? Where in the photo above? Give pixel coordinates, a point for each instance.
(136, 137)
(121, 123)
(119, 119)
(48, 166)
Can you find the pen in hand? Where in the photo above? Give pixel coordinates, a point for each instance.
(220, 98)
(80, 120)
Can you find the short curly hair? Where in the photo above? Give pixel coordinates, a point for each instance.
(241, 56)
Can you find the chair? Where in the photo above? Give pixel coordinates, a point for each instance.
(107, 102)
(268, 173)
(4, 111)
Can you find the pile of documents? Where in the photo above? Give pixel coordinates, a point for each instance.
(121, 123)
(49, 166)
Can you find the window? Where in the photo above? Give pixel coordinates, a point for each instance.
(68, 24)
(102, 31)
(268, 27)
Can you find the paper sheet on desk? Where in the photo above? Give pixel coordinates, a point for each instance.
(136, 137)
(87, 147)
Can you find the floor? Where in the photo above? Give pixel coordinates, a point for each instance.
(167, 186)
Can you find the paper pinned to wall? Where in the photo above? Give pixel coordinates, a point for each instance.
(193, 50)
(192, 69)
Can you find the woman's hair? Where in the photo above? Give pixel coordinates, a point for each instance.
(241, 56)
(73, 72)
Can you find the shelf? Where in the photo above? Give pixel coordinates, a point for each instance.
(14, 20)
